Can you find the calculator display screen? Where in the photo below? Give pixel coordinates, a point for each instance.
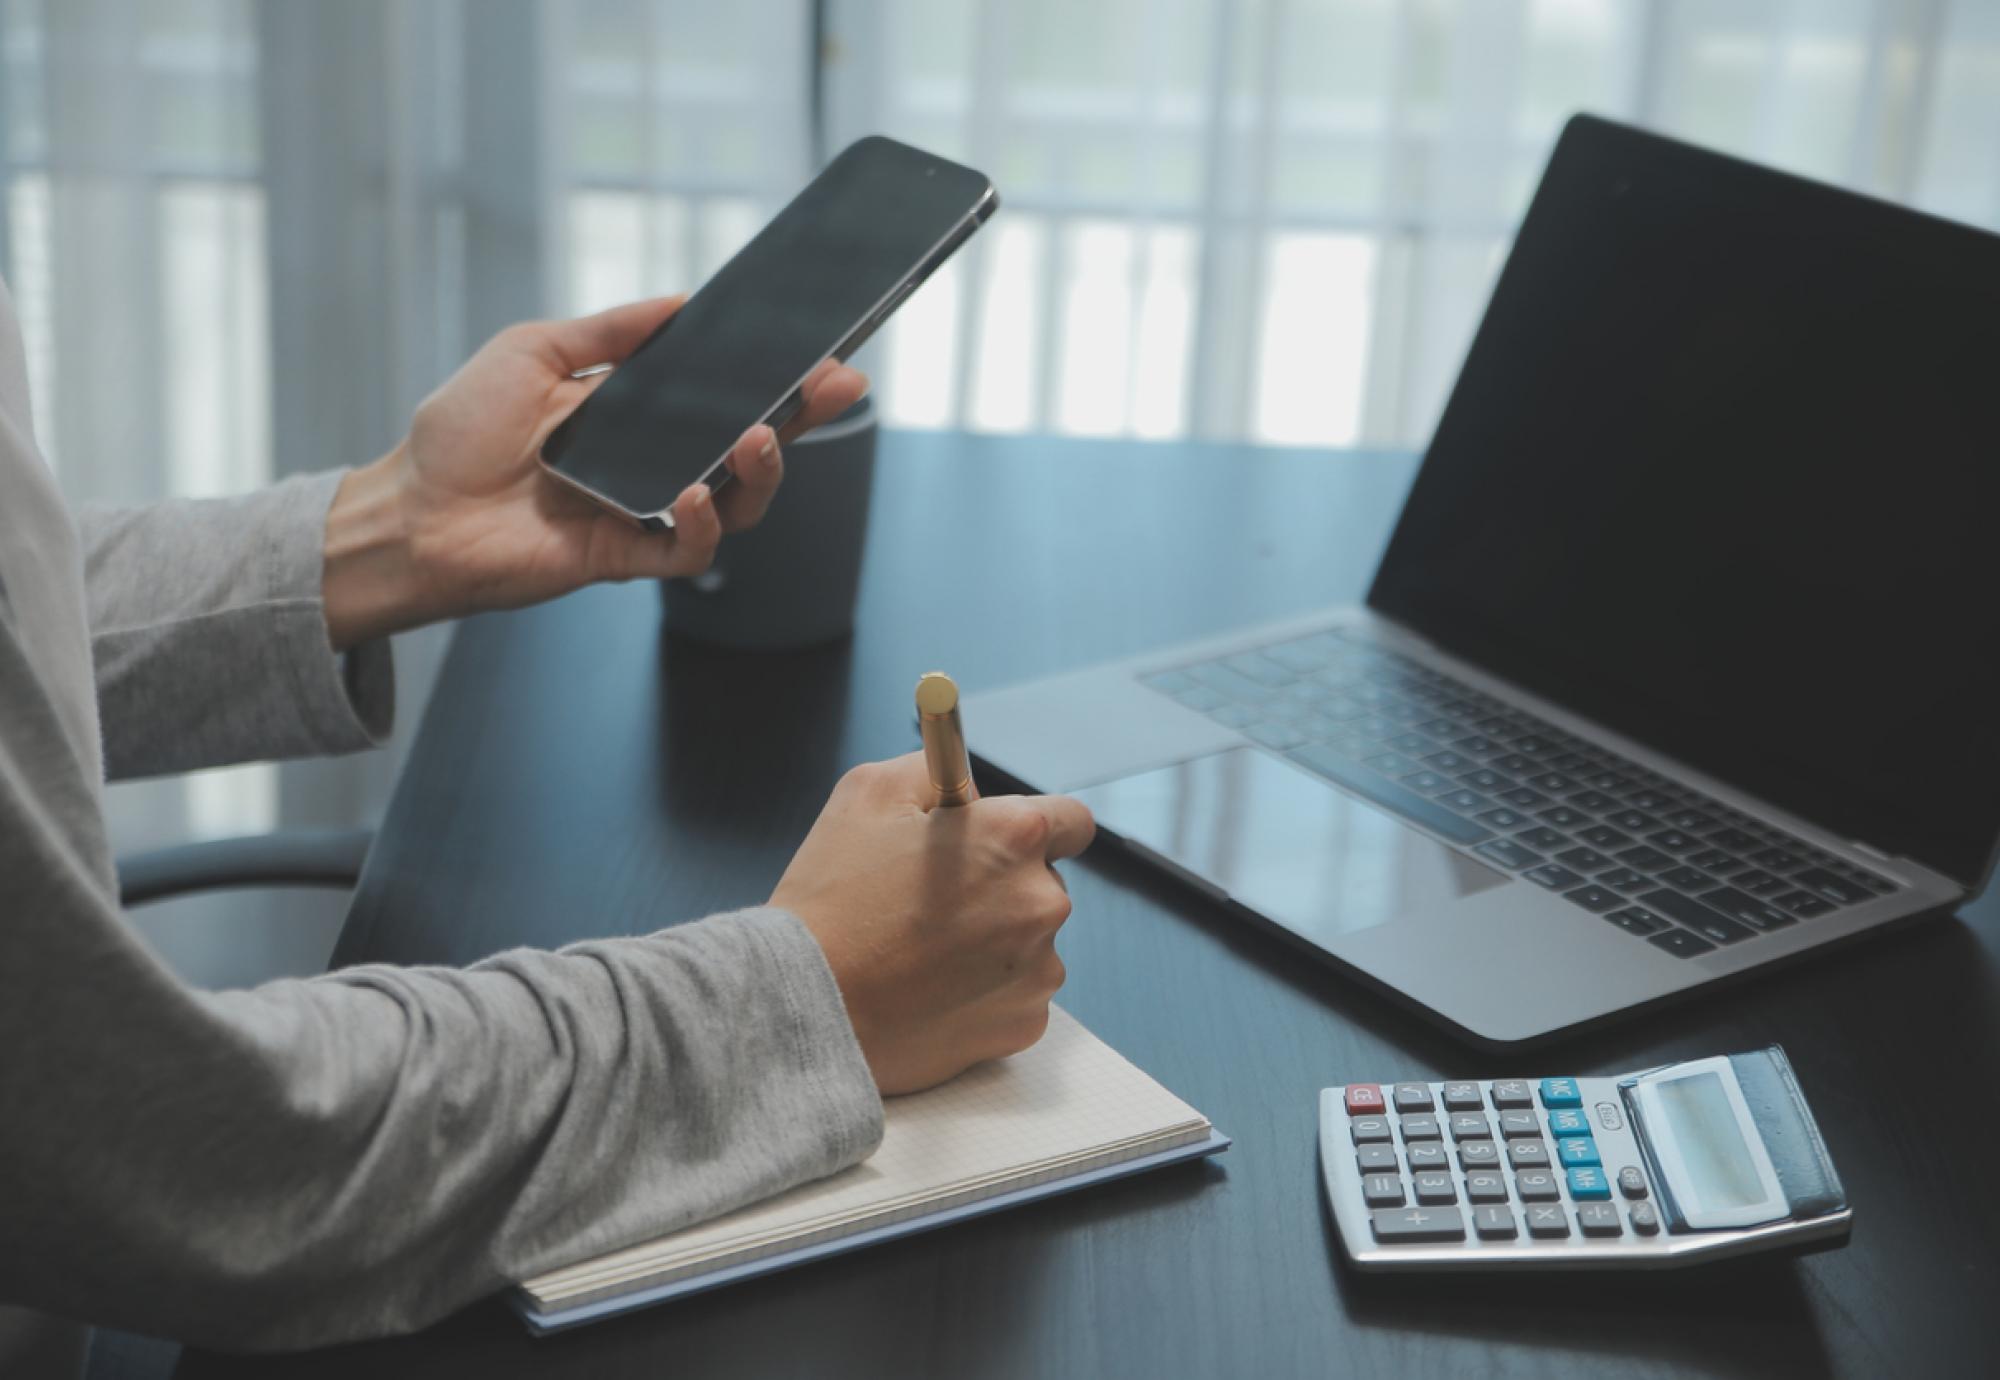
(1719, 1171)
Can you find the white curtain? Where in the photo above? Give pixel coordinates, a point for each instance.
(246, 236)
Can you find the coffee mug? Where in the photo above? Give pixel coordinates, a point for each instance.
(791, 580)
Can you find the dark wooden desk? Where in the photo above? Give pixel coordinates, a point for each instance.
(579, 774)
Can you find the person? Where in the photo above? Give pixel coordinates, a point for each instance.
(362, 1152)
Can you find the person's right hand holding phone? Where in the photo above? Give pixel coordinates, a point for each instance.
(939, 924)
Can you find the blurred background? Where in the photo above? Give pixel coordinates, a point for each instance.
(246, 238)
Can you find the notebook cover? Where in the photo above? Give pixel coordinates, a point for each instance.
(543, 1323)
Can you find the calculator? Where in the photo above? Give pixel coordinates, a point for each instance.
(1670, 1166)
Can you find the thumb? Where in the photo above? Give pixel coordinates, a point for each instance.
(608, 336)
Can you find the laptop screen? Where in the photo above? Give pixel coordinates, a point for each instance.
(1722, 472)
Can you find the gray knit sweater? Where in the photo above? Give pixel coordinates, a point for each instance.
(358, 1153)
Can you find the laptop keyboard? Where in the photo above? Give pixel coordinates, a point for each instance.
(1660, 861)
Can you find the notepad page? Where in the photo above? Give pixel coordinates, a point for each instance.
(1069, 1104)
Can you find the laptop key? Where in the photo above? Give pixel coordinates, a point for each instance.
(1834, 888)
(1500, 817)
(1711, 925)
(1803, 904)
(1486, 779)
(1508, 853)
(1323, 761)
(1648, 799)
(1645, 859)
(1554, 782)
(1735, 840)
(1685, 878)
(1777, 860)
(1466, 801)
(1623, 879)
(1584, 859)
(1680, 943)
(1757, 882)
(1429, 782)
(1448, 761)
(1603, 836)
(1692, 820)
(1563, 817)
(1716, 861)
(1597, 802)
(1279, 737)
(1524, 797)
(1594, 898)
(1636, 920)
(1633, 821)
(1759, 915)
(1674, 841)
(1552, 876)
(1542, 837)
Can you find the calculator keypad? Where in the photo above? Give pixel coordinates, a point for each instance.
(1512, 1161)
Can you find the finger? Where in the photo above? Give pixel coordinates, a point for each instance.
(1071, 826)
(828, 391)
(759, 468)
(608, 336)
(697, 531)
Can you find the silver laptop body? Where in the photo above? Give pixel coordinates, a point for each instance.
(1500, 856)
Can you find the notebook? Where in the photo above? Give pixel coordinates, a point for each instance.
(1063, 1114)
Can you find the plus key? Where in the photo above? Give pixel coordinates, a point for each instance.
(1364, 1099)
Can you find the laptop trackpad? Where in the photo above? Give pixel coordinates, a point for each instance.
(1286, 844)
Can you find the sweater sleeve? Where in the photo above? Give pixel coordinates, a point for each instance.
(360, 1153)
(209, 636)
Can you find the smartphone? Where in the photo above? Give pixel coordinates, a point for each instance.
(814, 283)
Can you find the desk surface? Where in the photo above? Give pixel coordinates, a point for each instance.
(579, 774)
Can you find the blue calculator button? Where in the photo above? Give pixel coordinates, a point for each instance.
(1569, 1123)
(1588, 1183)
(1577, 1150)
(1560, 1092)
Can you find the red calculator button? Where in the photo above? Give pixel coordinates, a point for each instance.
(1364, 1098)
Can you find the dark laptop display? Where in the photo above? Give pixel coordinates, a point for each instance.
(1703, 483)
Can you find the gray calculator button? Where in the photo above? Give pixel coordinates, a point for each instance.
(1478, 1154)
(1420, 1128)
(1536, 1186)
(1645, 1221)
(1463, 1097)
(1547, 1219)
(1382, 1190)
(1436, 1188)
(1377, 1159)
(1470, 1126)
(1512, 1092)
(1368, 1129)
(1516, 1125)
(1418, 1224)
(1607, 1116)
(1631, 1182)
(1494, 1224)
(1485, 1188)
(1413, 1097)
(1428, 1156)
(1599, 1219)
(1527, 1154)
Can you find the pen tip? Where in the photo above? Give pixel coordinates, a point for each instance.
(937, 693)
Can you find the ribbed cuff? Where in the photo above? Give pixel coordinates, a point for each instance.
(347, 701)
(847, 1109)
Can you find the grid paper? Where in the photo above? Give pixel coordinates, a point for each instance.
(1068, 1105)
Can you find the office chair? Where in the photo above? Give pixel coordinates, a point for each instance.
(299, 857)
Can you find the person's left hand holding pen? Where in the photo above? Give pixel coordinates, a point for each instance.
(939, 924)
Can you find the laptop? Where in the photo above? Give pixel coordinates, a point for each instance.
(1684, 655)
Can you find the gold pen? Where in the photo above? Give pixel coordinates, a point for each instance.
(944, 739)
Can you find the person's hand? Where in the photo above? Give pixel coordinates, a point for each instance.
(939, 924)
(458, 518)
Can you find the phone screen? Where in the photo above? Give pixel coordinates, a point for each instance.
(880, 214)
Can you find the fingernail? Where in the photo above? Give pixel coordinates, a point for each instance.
(701, 498)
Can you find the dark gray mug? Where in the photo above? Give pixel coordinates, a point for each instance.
(790, 581)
